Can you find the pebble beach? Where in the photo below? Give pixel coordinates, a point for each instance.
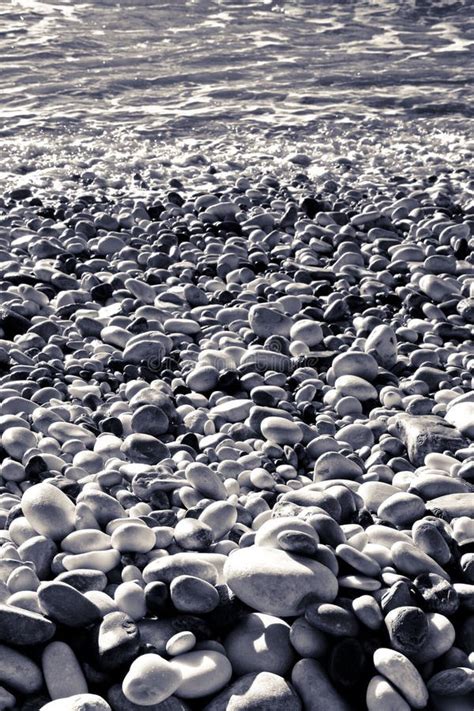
(237, 417)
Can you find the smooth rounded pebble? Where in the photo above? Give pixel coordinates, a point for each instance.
(277, 583)
(398, 669)
(78, 702)
(202, 672)
(315, 688)
(260, 643)
(19, 672)
(382, 696)
(49, 511)
(62, 672)
(150, 680)
(258, 691)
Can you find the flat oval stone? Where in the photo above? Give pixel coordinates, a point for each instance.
(278, 583)
(461, 416)
(192, 534)
(193, 595)
(452, 682)
(281, 431)
(265, 321)
(454, 505)
(357, 435)
(64, 431)
(307, 331)
(402, 509)
(84, 579)
(21, 627)
(333, 465)
(150, 420)
(358, 560)
(66, 605)
(166, 569)
(220, 516)
(133, 537)
(150, 348)
(206, 481)
(437, 288)
(86, 540)
(235, 410)
(356, 363)
(104, 561)
(203, 379)
(355, 386)
(18, 440)
(180, 643)
(62, 671)
(19, 672)
(144, 449)
(412, 561)
(332, 619)
(306, 640)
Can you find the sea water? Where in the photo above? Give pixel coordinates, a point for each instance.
(119, 81)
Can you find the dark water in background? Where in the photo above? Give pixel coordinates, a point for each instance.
(222, 68)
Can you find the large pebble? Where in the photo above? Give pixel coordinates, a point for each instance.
(315, 688)
(398, 669)
(166, 569)
(382, 696)
(78, 702)
(62, 672)
(49, 511)
(401, 509)
(261, 691)
(144, 449)
(193, 595)
(66, 605)
(260, 643)
(382, 344)
(19, 672)
(354, 386)
(277, 583)
(265, 321)
(133, 537)
(281, 431)
(203, 672)
(356, 363)
(150, 680)
(21, 627)
(118, 640)
(407, 629)
(267, 534)
(425, 435)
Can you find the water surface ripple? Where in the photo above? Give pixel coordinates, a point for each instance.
(157, 67)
